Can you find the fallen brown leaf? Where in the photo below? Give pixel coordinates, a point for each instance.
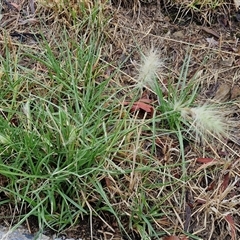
(108, 182)
(188, 213)
(225, 182)
(235, 92)
(232, 226)
(171, 238)
(141, 104)
(211, 31)
(200, 201)
(211, 186)
(223, 92)
(205, 160)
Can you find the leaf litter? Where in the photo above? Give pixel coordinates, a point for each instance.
(207, 42)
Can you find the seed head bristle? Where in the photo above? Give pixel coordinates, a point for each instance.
(207, 121)
(151, 63)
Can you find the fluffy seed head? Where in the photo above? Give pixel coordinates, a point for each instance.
(207, 121)
(148, 69)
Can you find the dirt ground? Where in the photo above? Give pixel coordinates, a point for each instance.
(213, 40)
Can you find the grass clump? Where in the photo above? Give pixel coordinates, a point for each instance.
(179, 106)
(202, 12)
(54, 134)
(69, 149)
(58, 128)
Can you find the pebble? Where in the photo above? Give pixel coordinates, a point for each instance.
(23, 234)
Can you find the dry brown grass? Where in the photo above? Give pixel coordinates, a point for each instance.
(206, 210)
